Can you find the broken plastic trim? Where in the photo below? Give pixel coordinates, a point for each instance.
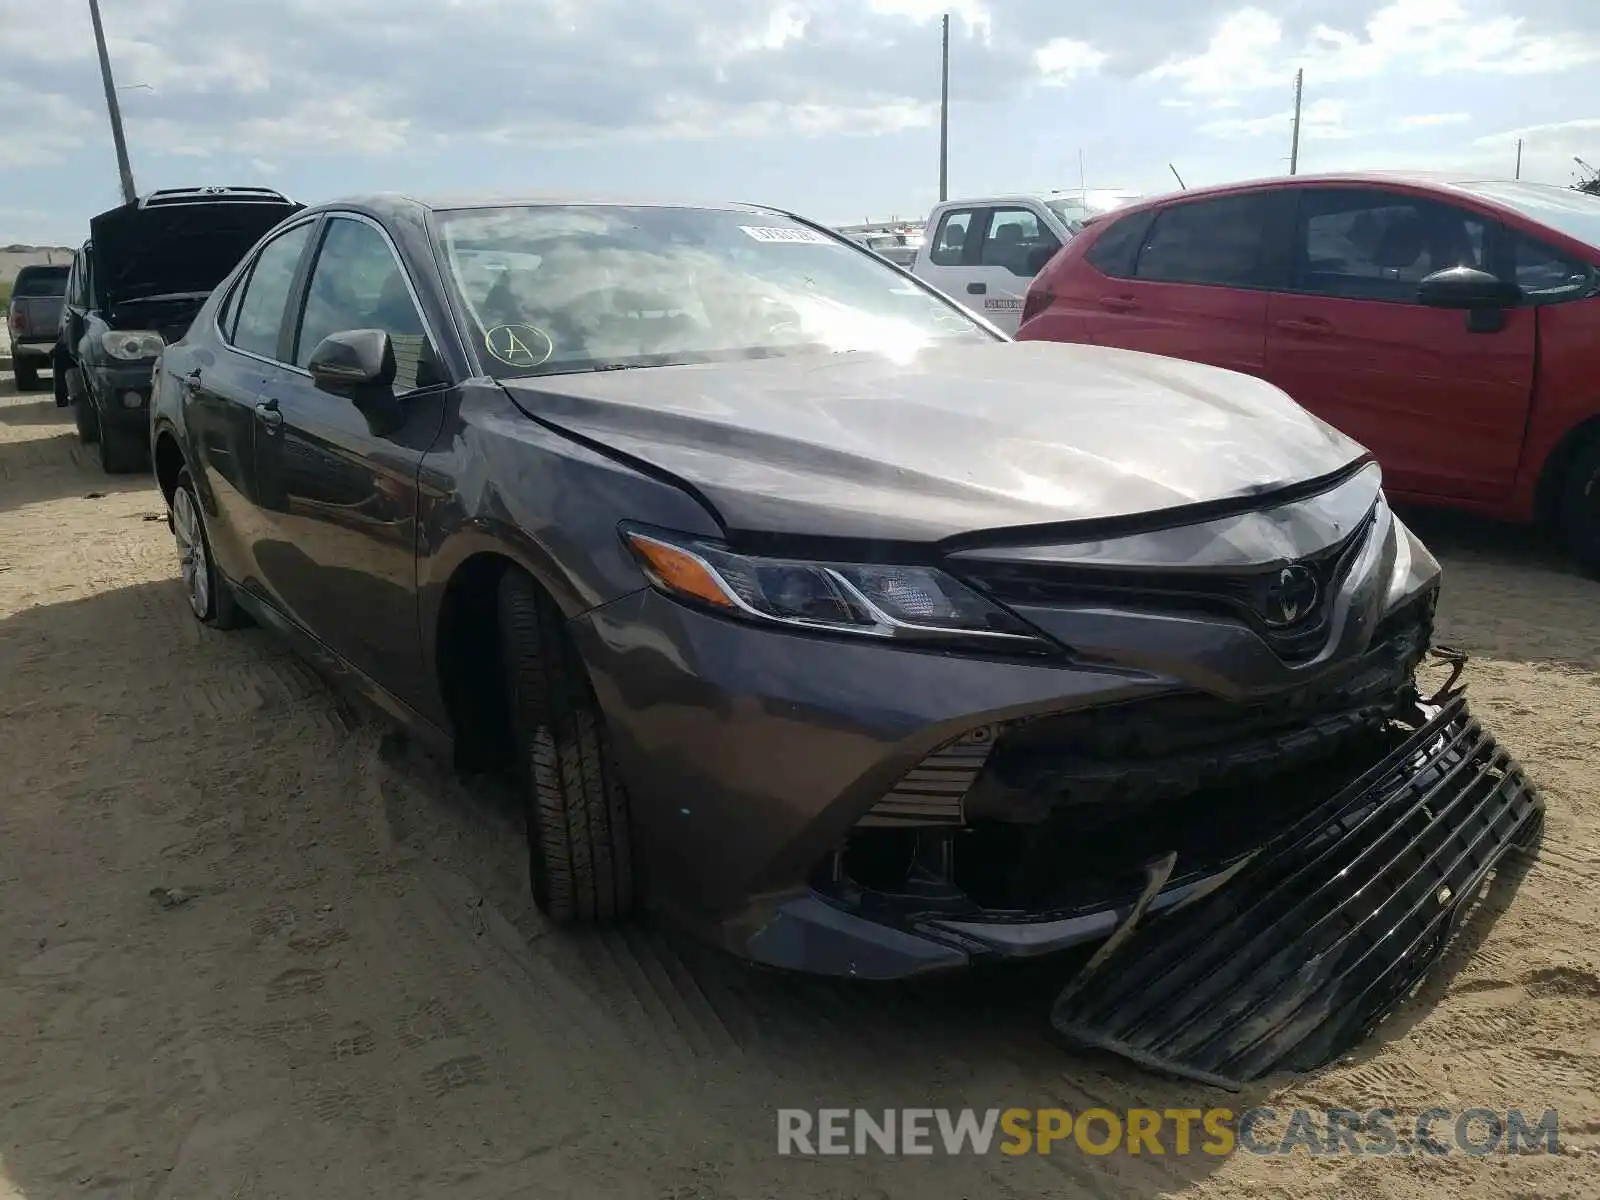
(1332, 922)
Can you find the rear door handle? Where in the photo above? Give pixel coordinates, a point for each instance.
(1118, 303)
(977, 289)
(268, 413)
(1310, 325)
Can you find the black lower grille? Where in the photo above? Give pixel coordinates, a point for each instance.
(1337, 918)
(1177, 744)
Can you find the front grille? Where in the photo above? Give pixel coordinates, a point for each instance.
(1335, 919)
(1124, 756)
(1236, 594)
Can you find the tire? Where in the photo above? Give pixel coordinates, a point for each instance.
(88, 419)
(210, 598)
(58, 381)
(1578, 514)
(27, 374)
(123, 451)
(580, 860)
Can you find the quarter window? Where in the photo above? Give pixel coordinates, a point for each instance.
(1380, 245)
(259, 319)
(1223, 242)
(950, 242)
(1114, 247)
(357, 284)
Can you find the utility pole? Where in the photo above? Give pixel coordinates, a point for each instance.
(944, 116)
(112, 108)
(1294, 144)
(1519, 159)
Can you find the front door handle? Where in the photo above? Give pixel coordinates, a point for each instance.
(1118, 303)
(267, 412)
(190, 383)
(977, 289)
(1310, 325)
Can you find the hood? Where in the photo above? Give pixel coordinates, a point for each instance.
(958, 440)
(156, 251)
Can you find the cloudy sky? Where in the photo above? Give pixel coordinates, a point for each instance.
(826, 106)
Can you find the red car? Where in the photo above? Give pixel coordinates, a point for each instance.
(1452, 326)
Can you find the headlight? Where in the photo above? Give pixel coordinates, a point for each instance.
(132, 346)
(903, 603)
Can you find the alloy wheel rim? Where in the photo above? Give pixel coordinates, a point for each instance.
(191, 553)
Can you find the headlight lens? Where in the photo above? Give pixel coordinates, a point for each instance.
(132, 345)
(909, 603)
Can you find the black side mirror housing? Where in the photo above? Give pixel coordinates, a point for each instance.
(354, 360)
(1469, 289)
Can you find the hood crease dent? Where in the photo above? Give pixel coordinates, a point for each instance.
(958, 440)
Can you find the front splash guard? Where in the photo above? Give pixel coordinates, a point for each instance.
(1330, 924)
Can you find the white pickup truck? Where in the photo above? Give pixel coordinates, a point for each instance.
(985, 252)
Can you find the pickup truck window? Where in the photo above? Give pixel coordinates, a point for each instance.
(40, 281)
(1017, 242)
(951, 239)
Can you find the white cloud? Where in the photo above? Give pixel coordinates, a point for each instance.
(1323, 120)
(1061, 60)
(1432, 120)
(1421, 38)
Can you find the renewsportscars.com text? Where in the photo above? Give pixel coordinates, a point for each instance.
(1176, 1131)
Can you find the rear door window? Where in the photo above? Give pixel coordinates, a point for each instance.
(1225, 242)
(258, 321)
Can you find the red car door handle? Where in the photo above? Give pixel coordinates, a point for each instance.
(1312, 325)
(1119, 303)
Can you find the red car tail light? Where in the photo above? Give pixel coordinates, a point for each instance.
(1038, 299)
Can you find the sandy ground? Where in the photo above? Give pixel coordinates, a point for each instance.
(251, 947)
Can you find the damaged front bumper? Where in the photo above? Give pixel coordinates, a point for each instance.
(1330, 923)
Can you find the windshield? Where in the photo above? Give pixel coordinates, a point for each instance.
(1075, 212)
(1566, 210)
(560, 289)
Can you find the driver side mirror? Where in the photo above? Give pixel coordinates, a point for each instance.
(356, 359)
(1467, 288)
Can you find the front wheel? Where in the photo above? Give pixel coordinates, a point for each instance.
(579, 850)
(207, 592)
(83, 409)
(122, 451)
(1579, 512)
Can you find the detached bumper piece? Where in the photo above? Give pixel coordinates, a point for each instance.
(1333, 921)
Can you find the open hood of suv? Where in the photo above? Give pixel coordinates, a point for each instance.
(179, 242)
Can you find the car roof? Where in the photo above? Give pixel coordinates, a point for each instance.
(1442, 181)
(398, 203)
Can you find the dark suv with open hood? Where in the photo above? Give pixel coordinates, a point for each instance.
(135, 285)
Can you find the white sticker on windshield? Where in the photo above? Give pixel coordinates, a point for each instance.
(779, 233)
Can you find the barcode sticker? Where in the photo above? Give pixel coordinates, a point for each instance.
(781, 233)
